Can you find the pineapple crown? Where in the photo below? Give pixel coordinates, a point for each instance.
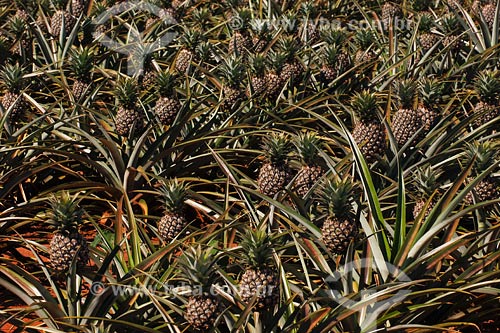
(174, 193)
(406, 91)
(165, 82)
(277, 147)
(12, 77)
(450, 24)
(126, 91)
(426, 180)
(331, 54)
(82, 62)
(289, 47)
(364, 38)
(201, 15)
(484, 154)
(431, 91)
(204, 50)
(199, 266)
(308, 9)
(233, 70)
(334, 36)
(337, 196)
(60, 4)
(257, 248)
(17, 26)
(426, 22)
(258, 64)
(364, 105)
(307, 147)
(290, 23)
(244, 17)
(487, 86)
(64, 213)
(190, 38)
(277, 60)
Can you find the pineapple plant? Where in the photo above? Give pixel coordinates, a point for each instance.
(275, 173)
(274, 81)
(426, 183)
(13, 99)
(82, 63)
(67, 244)
(406, 122)
(485, 155)
(364, 39)
(18, 26)
(129, 118)
(259, 280)
(189, 41)
(339, 228)
(487, 87)
(174, 194)
(199, 267)
(167, 105)
(258, 80)
(369, 132)
(233, 72)
(62, 21)
(309, 32)
(431, 91)
(241, 42)
(306, 144)
(335, 59)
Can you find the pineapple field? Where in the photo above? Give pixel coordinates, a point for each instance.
(250, 166)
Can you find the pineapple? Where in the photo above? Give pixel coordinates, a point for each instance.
(261, 35)
(390, 11)
(79, 7)
(129, 118)
(406, 122)
(340, 227)
(368, 133)
(451, 40)
(174, 193)
(167, 105)
(258, 80)
(62, 21)
(240, 42)
(421, 6)
(19, 28)
(488, 11)
(275, 173)
(365, 53)
(189, 41)
(426, 182)
(67, 244)
(233, 72)
(454, 4)
(487, 87)
(426, 38)
(199, 267)
(259, 281)
(13, 99)
(310, 172)
(431, 91)
(485, 155)
(309, 32)
(82, 63)
(274, 81)
(335, 59)
(292, 69)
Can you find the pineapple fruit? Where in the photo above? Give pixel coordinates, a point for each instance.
(199, 266)
(129, 118)
(365, 53)
(427, 185)
(275, 173)
(13, 99)
(340, 227)
(431, 91)
(406, 122)
(79, 7)
(174, 193)
(167, 105)
(67, 244)
(257, 86)
(82, 63)
(240, 42)
(427, 39)
(487, 87)
(62, 21)
(233, 72)
(485, 155)
(189, 41)
(368, 133)
(335, 60)
(292, 69)
(390, 11)
(259, 280)
(310, 172)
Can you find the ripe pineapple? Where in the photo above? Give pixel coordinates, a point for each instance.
(431, 91)
(258, 80)
(487, 87)
(340, 227)
(485, 154)
(67, 242)
(174, 193)
(406, 121)
(488, 11)
(167, 105)
(13, 83)
(233, 72)
(368, 133)
(79, 7)
(61, 21)
(390, 11)
(310, 172)
(259, 279)
(275, 173)
(199, 268)
(189, 41)
(365, 53)
(426, 183)
(82, 63)
(129, 118)
(427, 39)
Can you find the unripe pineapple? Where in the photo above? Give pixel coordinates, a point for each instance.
(129, 118)
(13, 99)
(258, 80)
(82, 63)
(369, 132)
(189, 41)
(233, 72)
(451, 30)
(406, 122)
(390, 11)
(426, 38)
(310, 172)
(259, 281)
(261, 35)
(431, 92)
(365, 53)
(426, 183)
(275, 174)
(61, 21)
(340, 227)
(174, 193)
(167, 105)
(67, 244)
(292, 69)
(199, 267)
(487, 87)
(240, 42)
(485, 155)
